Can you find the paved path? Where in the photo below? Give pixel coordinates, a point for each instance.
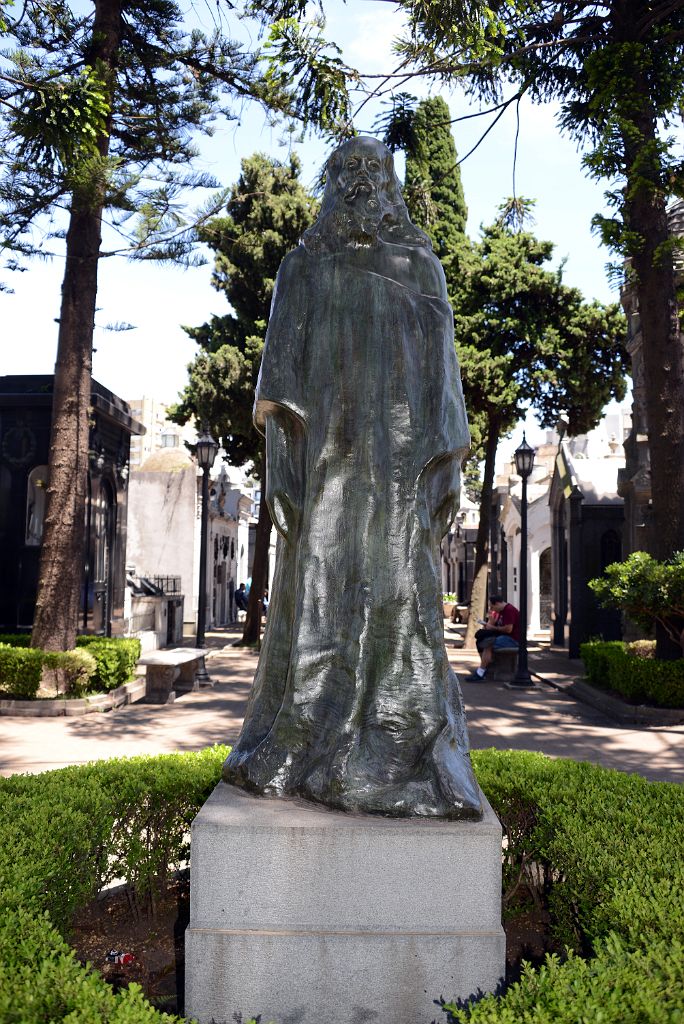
(544, 719)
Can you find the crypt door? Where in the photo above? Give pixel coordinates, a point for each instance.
(103, 537)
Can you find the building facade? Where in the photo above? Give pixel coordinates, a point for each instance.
(457, 551)
(587, 530)
(165, 506)
(575, 529)
(160, 432)
(505, 521)
(25, 423)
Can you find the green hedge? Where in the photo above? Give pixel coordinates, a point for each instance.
(98, 664)
(611, 665)
(609, 848)
(67, 834)
(15, 639)
(23, 668)
(607, 844)
(116, 658)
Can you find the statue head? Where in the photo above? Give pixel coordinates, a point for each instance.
(362, 202)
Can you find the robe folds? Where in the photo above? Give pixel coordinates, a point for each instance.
(354, 704)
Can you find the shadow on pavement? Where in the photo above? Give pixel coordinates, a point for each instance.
(544, 719)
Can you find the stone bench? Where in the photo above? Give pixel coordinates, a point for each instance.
(176, 665)
(460, 613)
(504, 664)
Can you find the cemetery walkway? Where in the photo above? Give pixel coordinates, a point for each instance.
(545, 719)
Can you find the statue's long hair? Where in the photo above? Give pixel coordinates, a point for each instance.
(395, 225)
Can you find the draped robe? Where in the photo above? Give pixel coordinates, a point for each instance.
(354, 703)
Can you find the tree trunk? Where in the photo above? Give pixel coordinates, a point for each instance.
(663, 360)
(662, 348)
(62, 555)
(252, 630)
(61, 559)
(478, 596)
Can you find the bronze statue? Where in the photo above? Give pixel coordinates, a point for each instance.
(354, 703)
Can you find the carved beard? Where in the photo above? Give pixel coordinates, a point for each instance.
(359, 215)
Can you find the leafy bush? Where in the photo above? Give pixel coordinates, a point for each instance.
(20, 671)
(642, 648)
(23, 669)
(15, 639)
(612, 665)
(116, 658)
(605, 841)
(66, 835)
(646, 590)
(70, 672)
(98, 664)
(608, 841)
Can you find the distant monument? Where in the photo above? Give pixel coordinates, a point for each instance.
(354, 703)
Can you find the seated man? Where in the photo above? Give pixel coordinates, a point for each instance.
(241, 601)
(502, 632)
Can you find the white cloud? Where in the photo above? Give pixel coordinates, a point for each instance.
(366, 36)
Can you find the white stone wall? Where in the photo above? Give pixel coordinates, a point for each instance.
(538, 539)
(161, 519)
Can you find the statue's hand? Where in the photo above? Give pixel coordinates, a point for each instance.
(443, 493)
(284, 470)
(283, 513)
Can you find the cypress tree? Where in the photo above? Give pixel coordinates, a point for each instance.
(267, 212)
(433, 189)
(523, 337)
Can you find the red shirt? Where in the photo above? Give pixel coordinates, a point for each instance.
(510, 616)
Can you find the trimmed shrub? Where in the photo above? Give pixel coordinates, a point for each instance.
(596, 656)
(608, 842)
(15, 639)
(68, 672)
(612, 665)
(116, 658)
(642, 648)
(66, 835)
(98, 664)
(20, 671)
(604, 842)
(23, 670)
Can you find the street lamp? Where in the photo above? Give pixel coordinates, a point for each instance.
(206, 450)
(524, 462)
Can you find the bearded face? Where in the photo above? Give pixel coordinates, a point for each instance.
(362, 203)
(360, 185)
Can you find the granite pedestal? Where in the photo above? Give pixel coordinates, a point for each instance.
(306, 915)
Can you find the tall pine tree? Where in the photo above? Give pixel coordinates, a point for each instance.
(433, 189)
(100, 102)
(434, 195)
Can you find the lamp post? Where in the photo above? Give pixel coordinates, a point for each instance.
(524, 461)
(206, 453)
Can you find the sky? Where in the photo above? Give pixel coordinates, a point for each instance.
(151, 360)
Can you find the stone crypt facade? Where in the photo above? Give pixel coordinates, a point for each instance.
(25, 421)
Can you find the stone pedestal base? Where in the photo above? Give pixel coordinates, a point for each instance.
(306, 915)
